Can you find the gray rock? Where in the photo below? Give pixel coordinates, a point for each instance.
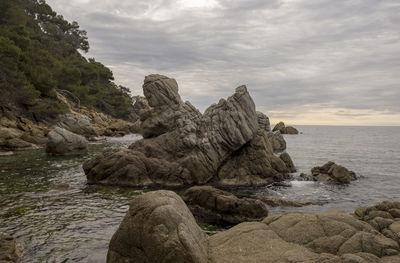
(285, 157)
(285, 129)
(263, 122)
(158, 228)
(181, 146)
(331, 172)
(78, 124)
(277, 141)
(213, 206)
(63, 142)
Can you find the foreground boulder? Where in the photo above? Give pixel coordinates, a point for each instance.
(158, 228)
(63, 142)
(78, 124)
(285, 129)
(331, 172)
(213, 206)
(181, 146)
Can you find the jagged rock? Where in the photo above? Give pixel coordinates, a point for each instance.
(63, 142)
(213, 206)
(285, 157)
(10, 249)
(78, 124)
(158, 228)
(331, 172)
(263, 122)
(285, 129)
(181, 146)
(152, 229)
(277, 141)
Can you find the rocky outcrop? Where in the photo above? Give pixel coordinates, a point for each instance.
(263, 122)
(331, 172)
(285, 157)
(181, 146)
(63, 142)
(285, 129)
(156, 219)
(158, 228)
(10, 249)
(213, 206)
(277, 141)
(78, 124)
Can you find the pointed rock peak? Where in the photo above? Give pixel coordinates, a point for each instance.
(160, 90)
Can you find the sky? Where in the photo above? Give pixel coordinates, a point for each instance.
(318, 62)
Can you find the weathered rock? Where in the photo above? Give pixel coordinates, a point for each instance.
(63, 142)
(277, 141)
(158, 228)
(331, 172)
(10, 249)
(78, 124)
(213, 206)
(181, 146)
(253, 165)
(285, 157)
(274, 202)
(263, 122)
(11, 139)
(285, 129)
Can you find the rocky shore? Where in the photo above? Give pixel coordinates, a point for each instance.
(159, 227)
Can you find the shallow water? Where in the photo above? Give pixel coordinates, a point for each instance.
(76, 225)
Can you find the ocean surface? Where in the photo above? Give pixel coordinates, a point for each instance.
(75, 225)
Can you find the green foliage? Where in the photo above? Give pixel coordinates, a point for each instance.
(39, 53)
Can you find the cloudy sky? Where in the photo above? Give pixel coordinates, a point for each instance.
(303, 61)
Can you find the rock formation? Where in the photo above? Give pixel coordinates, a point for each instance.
(63, 142)
(331, 172)
(78, 124)
(277, 141)
(159, 228)
(213, 206)
(181, 146)
(285, 129)
(263, 122)
(285, 157)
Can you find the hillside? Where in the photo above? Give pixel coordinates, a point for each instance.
(41, 53)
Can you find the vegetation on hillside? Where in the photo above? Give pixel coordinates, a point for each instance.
(40, 52)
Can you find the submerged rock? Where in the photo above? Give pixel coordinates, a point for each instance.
(152, 232)
(63, 142)
(158, 228)
(331, 172)
(181, 146)
(285, 129)
(213, 206)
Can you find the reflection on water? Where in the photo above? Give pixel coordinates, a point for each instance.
(75, 223)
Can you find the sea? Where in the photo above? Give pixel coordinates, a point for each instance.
(75, 224)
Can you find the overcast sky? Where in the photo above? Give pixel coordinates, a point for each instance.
(303, 61)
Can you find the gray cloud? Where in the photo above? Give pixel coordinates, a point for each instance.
(290, 54)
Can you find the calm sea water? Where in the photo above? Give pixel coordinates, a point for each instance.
(76, 225)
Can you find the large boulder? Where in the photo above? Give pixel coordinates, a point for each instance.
(331, 172)
(158, 228)
(181, 146)
(285, 129)
(77, 123)
(213, 206)
(63, 142)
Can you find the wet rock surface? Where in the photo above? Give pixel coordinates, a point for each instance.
(63, 142)
(10, 249)
(213, 206)
(181, 146)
